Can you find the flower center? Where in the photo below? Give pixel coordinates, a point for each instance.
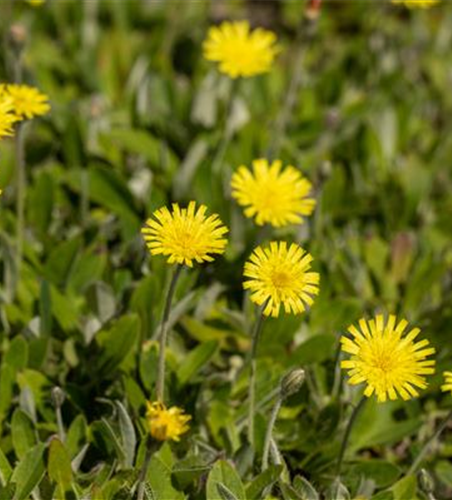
(280, 279)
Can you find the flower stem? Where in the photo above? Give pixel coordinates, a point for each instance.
(356, 411)
(20, 192)
(269, 433)
(160, 385)
(252, 386)
(427, 445)
(144, 470)
(226, 134)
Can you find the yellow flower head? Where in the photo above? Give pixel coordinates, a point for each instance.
(35, 3)
(280, 275)
(185, 234)
(28, 102)
(388, 361)
(271, 194)
(447, 386)
(416, 3)
(166, 423)
(239, 51)
(7, 116)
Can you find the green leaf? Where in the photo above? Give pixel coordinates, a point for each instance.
(61, 260)
(76, 435)
(224, 473)
(262, 481)
(59, 465)
(338, 491)
(305, 488)
(315, 350)
(381, 472)
(117, 342)
(195, 360)
(29, 472)
(188, 470)
(17, 354)
(5, 469)
(128, 437)
(22, 432)
(159, 479)
(405, 488)
(7, 380)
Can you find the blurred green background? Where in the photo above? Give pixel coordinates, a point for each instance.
(136, 119)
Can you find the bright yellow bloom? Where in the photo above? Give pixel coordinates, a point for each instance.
(166, 423)
(386, 360)
(416, 3)
(7, 116)
(185, 234)
(447, 386)
(279, 276)
(28, 101)
(272, 194)
(239, 51)
(35, 3)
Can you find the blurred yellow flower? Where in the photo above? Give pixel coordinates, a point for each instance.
(279, 276)
(416, 3)
(390, 363)
(240, 51)
(185, 235)
(271, 194)
(35, 3)
(7, 116)
(28, 101)
(165, 424)
(447, 386)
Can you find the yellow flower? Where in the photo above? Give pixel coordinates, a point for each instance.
(166, 423)
(386, 360)
(278, 275)
(416, 3)
(447, 386)
(28, 101)
(35, 3)
(7, 116)
(185, 234)
(239, 51)
(271, 194)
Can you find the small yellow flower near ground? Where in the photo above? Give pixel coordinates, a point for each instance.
(280, 276)
(35, 3)
(416, 3)
(7, 116)
(28, 101)
(447, 386)
(166, 423)
(239, 51)
(389, 362)
(272, 194)
(185, 235)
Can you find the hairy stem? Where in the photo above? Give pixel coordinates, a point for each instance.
(160, 385)
(252, 386)
(356, 411)
(20, 193)
(144, 470)
(428, 444)
(269, 433)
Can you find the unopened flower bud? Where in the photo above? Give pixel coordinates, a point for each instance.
(17, 37)
(58, 397)
(426, 482)
(292, 382)
(313, 9)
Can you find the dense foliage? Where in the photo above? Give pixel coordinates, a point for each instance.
(137, 122)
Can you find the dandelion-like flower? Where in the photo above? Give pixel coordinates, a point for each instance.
(280, 276)
(447, 386)
(166, 423)
(27, 101)
(271, 194)
(7, 116)
(416, 3)
(240, 51)
(35, 3)
(185, 235)
(389, 362)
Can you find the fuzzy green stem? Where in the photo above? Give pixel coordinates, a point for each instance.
(427, 445)
(356, 411)
(160, 385)
(269, 433)
(226, 134)
(252, 386)
(20, 193)
(144, 470)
